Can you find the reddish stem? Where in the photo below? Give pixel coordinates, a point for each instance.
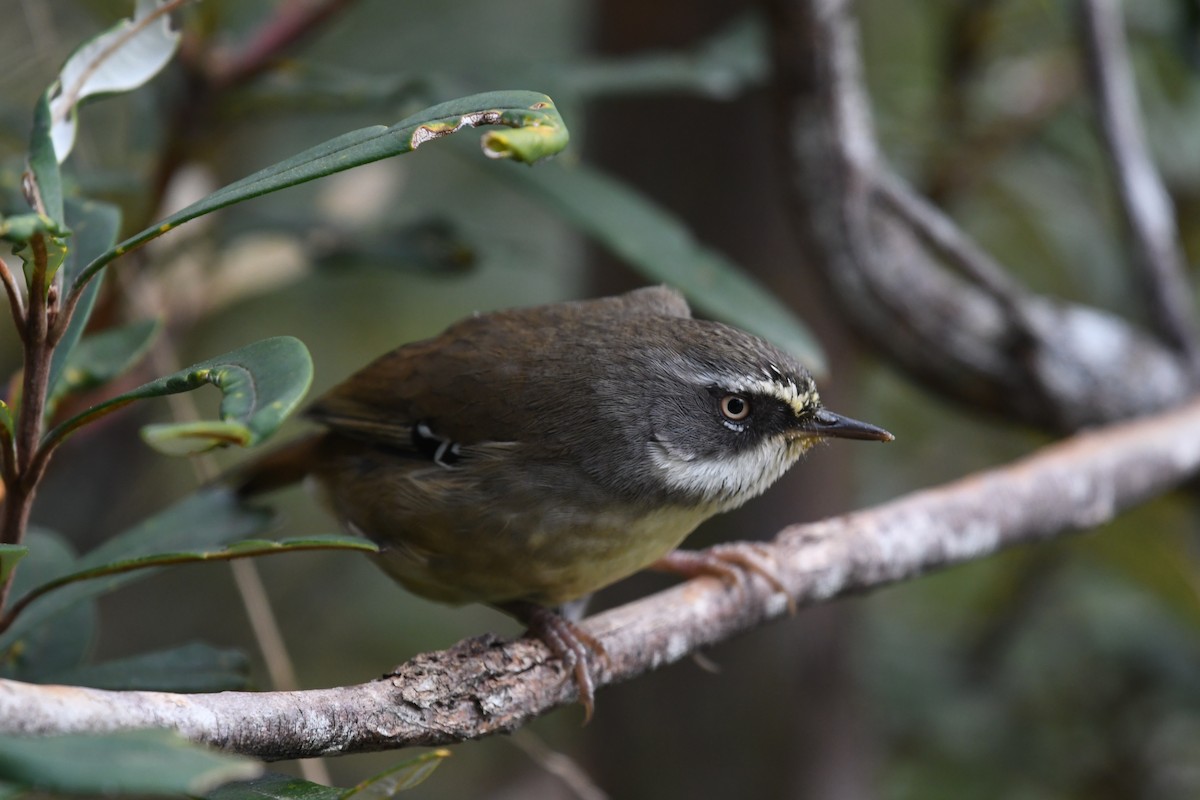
(22, 480)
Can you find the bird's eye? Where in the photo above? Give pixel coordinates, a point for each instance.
(734, 407)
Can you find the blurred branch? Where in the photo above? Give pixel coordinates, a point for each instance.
(967, 154)
(950, 243)
(486, 685)
(1144, 200)
(291, 23)
(209, 77)
(882, 250)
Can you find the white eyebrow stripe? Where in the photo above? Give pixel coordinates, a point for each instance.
(799, 397)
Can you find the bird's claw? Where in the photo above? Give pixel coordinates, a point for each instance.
(729, 563)
(568, 642)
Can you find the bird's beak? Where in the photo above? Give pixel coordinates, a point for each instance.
(825, 423)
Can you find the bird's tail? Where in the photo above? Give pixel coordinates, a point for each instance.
(287, 464)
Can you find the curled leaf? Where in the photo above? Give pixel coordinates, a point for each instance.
(262, 384)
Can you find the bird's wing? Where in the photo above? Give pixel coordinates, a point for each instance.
(496, 377)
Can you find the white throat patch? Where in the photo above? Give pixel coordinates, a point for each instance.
(728, 481)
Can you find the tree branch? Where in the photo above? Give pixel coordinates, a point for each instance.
(962, 332)
(485, 685)
(1161, 266)
(288, 25)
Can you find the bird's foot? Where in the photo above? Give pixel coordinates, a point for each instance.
(568, 642)
(729, 563)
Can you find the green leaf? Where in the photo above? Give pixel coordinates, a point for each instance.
(388, 783)
(515, 109)
(194, 667)
(56, 254)
(65, 640)
(274, 786)
(20, 228)
(262, 384)
(399, 778)
(42, 163)
(94, 228)
(10, 554)
(121, 59)
(660, 247)
(129, 762)
(249, 548)
(527, 145)
(102, 357)
(208, 518)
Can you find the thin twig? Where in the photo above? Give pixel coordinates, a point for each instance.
(37, 359)
(134, 565)
(1147, 207)
(14, 298)
(291, 23)
(1038, 364)
(949, 241)
(560, 765)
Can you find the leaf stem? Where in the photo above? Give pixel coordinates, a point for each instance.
(37, 363)
(14, 298)
(229, 553)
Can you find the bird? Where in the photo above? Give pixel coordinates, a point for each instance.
(526, 458)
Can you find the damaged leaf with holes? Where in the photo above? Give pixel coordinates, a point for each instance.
(519, 110)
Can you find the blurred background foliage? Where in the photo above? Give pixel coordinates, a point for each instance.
(1066, 670)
